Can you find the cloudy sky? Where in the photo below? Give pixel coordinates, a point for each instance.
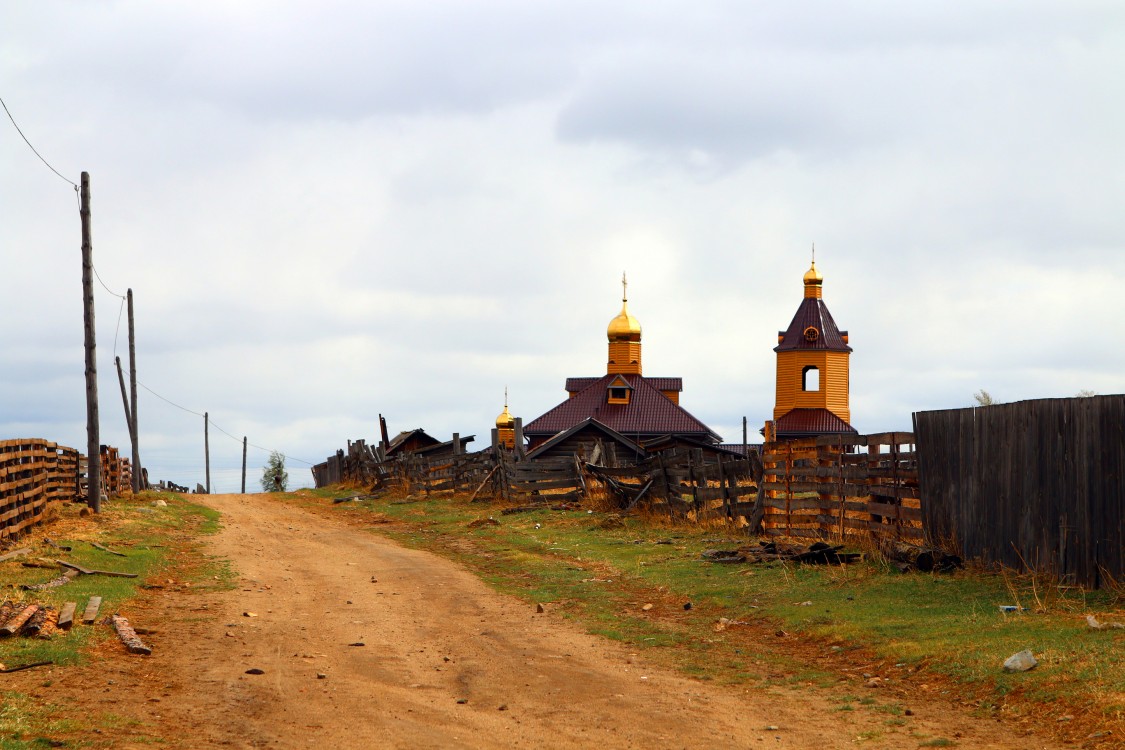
(331, 210)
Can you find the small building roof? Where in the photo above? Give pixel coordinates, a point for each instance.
(574, 385)
(648, 412)
(588, 425)
(805, 422)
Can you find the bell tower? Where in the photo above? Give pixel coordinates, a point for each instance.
(813, 379)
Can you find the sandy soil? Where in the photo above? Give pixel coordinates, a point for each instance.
(365, 644)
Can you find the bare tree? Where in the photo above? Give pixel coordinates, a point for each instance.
(983, 398)
(1085, 393)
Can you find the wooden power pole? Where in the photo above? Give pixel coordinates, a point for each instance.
(134, 432)
(243, 464)
(125, 399)
(93, 432)
(207, 449)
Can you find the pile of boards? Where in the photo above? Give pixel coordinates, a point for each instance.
(31, 619)
(818, 553)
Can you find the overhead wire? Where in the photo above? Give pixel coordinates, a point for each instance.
(211, 423)
(25, 140)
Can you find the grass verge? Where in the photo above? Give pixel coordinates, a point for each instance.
(155, 534)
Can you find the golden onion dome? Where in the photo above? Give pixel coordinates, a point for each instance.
(812, 276)
(505, 420)
(624, 327)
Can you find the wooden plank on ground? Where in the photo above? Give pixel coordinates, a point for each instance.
(14, 554)
(66, 615)
(91, 612)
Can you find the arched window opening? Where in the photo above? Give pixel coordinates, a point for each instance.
(810, 378)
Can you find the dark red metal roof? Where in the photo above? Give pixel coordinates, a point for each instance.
(813, 313)
(799, 422)
(649, 412)
(660, 384)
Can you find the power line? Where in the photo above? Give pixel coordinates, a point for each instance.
(220, 429)
(120, 310)
(14, 123)
(115, 294)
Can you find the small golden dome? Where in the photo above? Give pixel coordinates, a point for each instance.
(506, 420)
(624, 327)
(812, 276)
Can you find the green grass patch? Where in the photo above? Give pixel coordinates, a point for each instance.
(155, 541)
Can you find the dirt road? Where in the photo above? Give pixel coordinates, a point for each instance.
(365, 644)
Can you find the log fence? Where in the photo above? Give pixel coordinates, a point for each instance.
(35, 472)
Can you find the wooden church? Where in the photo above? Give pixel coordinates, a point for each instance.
(812, 371)
(623, 403)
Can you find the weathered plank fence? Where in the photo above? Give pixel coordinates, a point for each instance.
(839, 485)
(826, 488)
(1037, 483)
(686, 483)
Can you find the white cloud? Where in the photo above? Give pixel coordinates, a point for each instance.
(337, 210)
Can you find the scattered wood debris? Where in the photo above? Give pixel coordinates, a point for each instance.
(924, 559)
(815, 554)
(51, 543)
(14, 554)
(128, 636)
(66, 577)
(66, 615)
(357, 498)
(490, 521)
(1094, 624)
(18, 620)
(22, 667)
(91, 612)
(89, 572)
(38, 564)
(537, 506)
(103, 548)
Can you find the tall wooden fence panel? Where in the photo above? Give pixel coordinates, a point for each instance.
(834, 486)
(33, 472)
(1033, 483)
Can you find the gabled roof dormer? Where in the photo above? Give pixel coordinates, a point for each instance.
(618, 391)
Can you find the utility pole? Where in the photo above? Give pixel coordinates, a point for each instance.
(93, 431)
(125, 402)
(243, 464)
(207, 449)
(134, 432)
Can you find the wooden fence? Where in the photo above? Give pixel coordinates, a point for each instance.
(820, 488)
(1037, 484)
(33, 472)
(686, 484)
(834, 486)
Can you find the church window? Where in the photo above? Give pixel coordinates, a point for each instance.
(810, 378)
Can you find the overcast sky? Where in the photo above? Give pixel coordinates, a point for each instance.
(331, 210)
